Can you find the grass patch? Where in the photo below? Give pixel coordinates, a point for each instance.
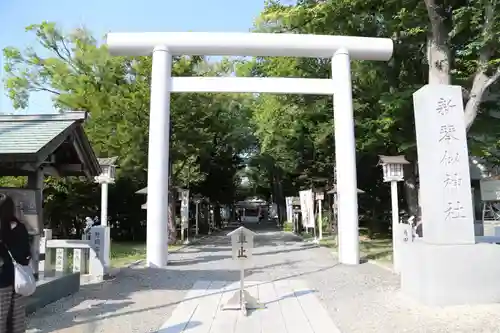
(379, 249)
(307, 236)
(126, 253)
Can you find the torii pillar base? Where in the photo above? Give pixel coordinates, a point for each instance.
(242, 300)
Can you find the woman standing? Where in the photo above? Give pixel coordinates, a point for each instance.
(14, 244)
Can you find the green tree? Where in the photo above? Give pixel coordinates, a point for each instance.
(382, 92)
(80, 74)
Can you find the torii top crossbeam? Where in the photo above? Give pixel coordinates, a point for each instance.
(249, 44)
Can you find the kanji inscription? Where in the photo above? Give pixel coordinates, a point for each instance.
(447, 133)
(454, 210)
(452, 180)
(450, 157)
(444, 106)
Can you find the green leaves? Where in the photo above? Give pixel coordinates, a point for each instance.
(208, 131)
(288, 139)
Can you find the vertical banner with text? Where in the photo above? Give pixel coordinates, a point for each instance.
(184, 196)
(307, 208)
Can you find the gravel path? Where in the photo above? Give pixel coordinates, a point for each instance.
(362, 299)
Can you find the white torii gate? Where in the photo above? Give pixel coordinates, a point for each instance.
(163, 45)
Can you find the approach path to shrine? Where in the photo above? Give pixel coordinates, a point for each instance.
(303, 287)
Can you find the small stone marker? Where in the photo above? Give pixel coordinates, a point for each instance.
(99, 262)
(242, 247)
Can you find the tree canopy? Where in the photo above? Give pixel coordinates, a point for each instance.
(279, 143)
(427, 49)
(208, 134)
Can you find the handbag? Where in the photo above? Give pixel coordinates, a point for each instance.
(24, 279)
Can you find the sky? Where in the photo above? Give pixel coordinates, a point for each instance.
(102, 16)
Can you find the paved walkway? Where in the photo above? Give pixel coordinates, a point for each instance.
(363, 299)
(287, 306)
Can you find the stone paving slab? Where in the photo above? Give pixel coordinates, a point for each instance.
(289, 306)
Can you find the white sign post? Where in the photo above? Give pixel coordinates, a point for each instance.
(184, 196)
(319, 199)
(197, 201)
(242, 247)
(210, 219)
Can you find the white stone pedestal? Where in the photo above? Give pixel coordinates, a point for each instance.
(440, 275)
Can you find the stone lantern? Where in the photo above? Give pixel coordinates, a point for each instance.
(101, 234)
(107, 176)
(393, 167)
(393, 171)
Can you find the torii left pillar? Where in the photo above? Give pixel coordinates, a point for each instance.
(158, 164)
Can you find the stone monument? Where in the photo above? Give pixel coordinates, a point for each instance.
(447, 265)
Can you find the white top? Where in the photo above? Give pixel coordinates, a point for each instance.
(249, 44)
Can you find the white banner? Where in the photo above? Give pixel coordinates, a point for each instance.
(184, 194)
(289, 209)
(307, 208)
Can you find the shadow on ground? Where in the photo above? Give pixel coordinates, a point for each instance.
(112, 298)
(107, 307)
(179, 327)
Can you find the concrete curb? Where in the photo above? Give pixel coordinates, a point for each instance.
(291, 233)
(335, 254)
(376, 263)
(369, 261)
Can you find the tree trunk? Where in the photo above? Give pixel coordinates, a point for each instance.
(172, 231)
(206, 217)
(438, 50)
(479, 86)
(481, 80)
(411, 189)
(280, 201)
(439, 59)
(217, 217)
